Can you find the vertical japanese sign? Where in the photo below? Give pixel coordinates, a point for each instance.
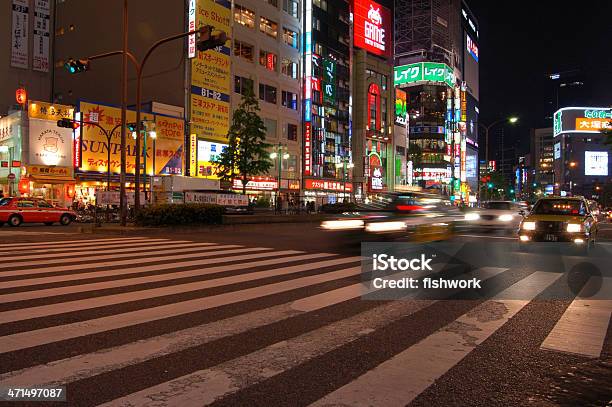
(308, 84)
(19, 34)
(40, 58)
(401, 112)
(210, 76)
(193, 155)
(191, 18)
(307, 150)
(329, 81)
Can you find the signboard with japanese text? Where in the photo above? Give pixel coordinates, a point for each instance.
(19, 34)
(48, 171)
(169, 149)
(49, 111)
(207, 152)
(596, 163)
(582, 120)
(329, 81)
(49, 144)
(216, 199)
(372, 27)
(424, 72)
(323, 185)
(307, 148)
(211, 75)
(42, 17)
(258, 184)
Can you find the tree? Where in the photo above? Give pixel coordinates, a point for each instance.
(247, 152)
(490, 183)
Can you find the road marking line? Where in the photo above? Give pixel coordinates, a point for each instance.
(399, 380)
(29, 295)
(144, 253)
(204, 386)
(133, 247)
(115, 299)
(22, 340)
(70, 248)
(145, 269)
(201, 252)
(582, 328)
(76, 242)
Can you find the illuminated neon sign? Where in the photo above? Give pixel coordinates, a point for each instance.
(372, 27)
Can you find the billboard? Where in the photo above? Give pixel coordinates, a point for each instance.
(93, 152)
(596, 163)
(372, 27)
(210, 75)
(581, 120)
(423, 72)
(470, 65)
(207, 152)
(401, 107)
(49, 144)
(19, 34)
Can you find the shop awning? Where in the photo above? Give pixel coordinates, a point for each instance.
(51, 180)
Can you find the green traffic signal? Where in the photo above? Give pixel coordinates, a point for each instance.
(490, 185)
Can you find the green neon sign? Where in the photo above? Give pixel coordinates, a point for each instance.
(424, 72)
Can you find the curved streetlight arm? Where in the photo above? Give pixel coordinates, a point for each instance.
(113, 53)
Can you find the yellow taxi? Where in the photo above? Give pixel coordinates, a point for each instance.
(559, 219)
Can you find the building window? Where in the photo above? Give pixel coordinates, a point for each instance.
(289, 68)
(268, 60)
(289, 100)
(270, 127)
(268, 27)
(322, 4)
(291, 7)
(243, 50)
(290, 37)
(241, 84)
(244, 16)
(59, 31)
(267, 93)
(272, 3)
(291, 132)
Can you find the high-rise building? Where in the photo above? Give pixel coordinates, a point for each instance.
(542, 157)
(436, 63)
(26, 54)
(326, 102)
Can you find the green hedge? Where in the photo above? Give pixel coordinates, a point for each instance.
(180, 214)
(339, 207)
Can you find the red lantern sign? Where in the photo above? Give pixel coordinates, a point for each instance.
(21, 96)
(24, 186)
(70, 190)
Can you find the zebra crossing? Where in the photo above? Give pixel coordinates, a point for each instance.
(140, 321)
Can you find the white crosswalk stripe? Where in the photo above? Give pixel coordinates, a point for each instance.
(136, 285)
(583, 327)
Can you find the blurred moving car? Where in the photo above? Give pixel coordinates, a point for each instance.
(559, 219)
(16, 211)
(499, 215)
(608, 214)
(423, 216)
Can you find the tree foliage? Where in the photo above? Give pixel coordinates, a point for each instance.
(247, 153)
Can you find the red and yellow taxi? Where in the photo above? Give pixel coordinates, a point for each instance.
(559, 219)
(16, 211)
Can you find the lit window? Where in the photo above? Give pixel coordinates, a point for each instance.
(289, 100)
(290, 37)
(268, 27)
(291, 7)
(268, 59)
(244, 16)
(289, 68)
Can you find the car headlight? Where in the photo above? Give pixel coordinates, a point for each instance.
(506, 218)
(529, 225)
(472, 216)
(342, 224)
(574, 227)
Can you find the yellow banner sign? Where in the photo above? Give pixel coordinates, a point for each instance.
(167, 146)
(211, 76)
(49, 111)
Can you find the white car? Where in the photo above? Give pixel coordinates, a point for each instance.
(504, 215)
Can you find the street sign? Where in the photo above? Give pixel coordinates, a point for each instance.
(11, 177)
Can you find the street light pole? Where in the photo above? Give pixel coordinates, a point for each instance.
(124, 93)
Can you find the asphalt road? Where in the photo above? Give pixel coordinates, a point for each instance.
(272, 315)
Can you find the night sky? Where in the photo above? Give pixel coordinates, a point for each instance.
(522, 41)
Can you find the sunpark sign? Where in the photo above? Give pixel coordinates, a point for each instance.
(582, 120)
(424, 72)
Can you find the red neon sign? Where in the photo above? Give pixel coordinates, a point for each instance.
(307, 155)
(372, 27)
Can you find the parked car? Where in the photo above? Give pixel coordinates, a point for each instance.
(16, 211)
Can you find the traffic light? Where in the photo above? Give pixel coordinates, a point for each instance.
(489, 185)
(77, 65)
(208, 40)
(67, 123)
(511, 190)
